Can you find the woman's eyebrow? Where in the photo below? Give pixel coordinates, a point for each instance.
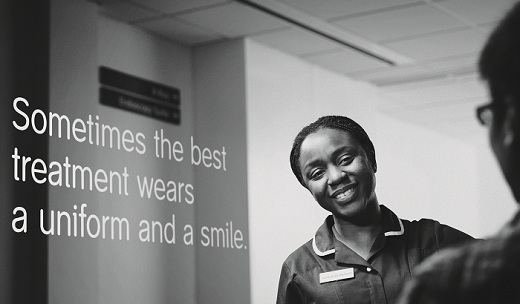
(313, 163)
(344, 149)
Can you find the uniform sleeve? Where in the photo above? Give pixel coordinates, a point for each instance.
(288, 292)
(434, 278)
(448, 236)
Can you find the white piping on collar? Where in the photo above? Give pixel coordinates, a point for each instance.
(333, 250)
(394, 233)
(319, 252)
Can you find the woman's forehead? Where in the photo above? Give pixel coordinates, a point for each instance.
(330, 135)
(327, 141)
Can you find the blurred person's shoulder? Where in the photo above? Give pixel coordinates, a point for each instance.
(483, 271)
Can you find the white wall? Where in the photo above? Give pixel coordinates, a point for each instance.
(211, 82)
(156, 266)
(220, 121)
(73, 262)
(85, 270)
(420, 173)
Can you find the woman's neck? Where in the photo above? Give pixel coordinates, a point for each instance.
(360, 235)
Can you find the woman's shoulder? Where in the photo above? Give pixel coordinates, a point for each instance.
(301, 260)
(432, 231)
(319, 247)
(301, 253)
(421, 224)
(427, 225)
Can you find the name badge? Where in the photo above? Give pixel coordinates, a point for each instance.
(336, 275)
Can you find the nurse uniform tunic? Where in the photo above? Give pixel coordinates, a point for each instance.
(324, 270)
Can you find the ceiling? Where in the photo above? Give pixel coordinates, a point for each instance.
(422, 54)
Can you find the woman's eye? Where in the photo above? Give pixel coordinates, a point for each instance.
(345, 160)
(316, 174)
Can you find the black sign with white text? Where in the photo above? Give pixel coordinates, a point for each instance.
(139, 95)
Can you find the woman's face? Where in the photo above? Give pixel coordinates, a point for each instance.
(337, 172)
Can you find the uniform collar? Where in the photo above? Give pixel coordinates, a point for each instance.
(323, 241)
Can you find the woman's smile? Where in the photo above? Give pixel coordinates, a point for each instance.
(344, 194)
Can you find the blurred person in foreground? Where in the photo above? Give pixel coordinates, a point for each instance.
(363, 252)
(486, 271)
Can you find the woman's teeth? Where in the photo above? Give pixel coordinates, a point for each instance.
(344, 194)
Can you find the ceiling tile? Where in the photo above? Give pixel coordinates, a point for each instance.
(345, 61)
(125, 11)
(456, 62)
(391, 73)
(175, 6)
(400, 23)
(479, 11)
(456, 66)
(179, 31)
(295, 41)
(487, 28)
(440, 45)
(234, 20)
(328, 9)
(439, 91)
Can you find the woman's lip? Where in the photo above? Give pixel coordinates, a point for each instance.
(343, 189)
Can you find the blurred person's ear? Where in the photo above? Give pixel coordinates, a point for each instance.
(511, 124)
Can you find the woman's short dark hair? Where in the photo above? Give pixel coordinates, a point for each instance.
(341, 123)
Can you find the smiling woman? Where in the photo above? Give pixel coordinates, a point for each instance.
(337, 172)
(363, 252)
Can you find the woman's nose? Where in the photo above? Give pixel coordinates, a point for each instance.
(336, 175)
